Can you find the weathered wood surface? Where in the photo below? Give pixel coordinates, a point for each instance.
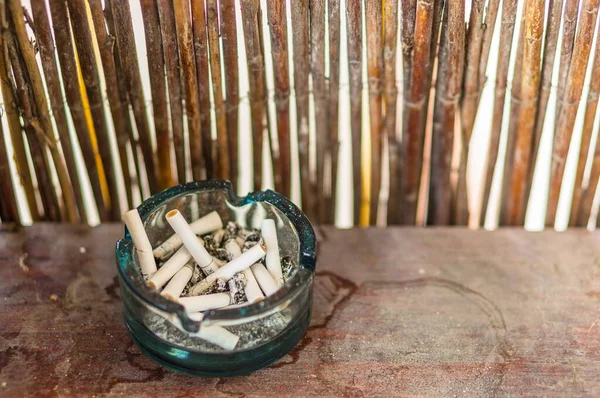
(442, 312)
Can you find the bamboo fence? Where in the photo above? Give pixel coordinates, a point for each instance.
(76, 112)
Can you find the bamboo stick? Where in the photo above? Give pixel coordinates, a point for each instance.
(300, 43)
(489, 26)
(397, 160)
(333, 106)
(33, 131)
(158, 86)
(251, 24)
(588, 195)
(8, 199)
(512, 126)
(591, 107)
(320, 90)
(570, 103)
(119, 113)
(354, 31)
(123, 28)
(570, 12)
(41, 104)
(15, 130)
(276, 14)
(46, 46)
(415, 106)
(171, 54)
(550, 43)
(230, 62)
(91, 77)
(532, 47)
(223, 154)
(448, 85)
(374, 18)
(188, 44)
(69, 70)
(507, 28)
(390, 33)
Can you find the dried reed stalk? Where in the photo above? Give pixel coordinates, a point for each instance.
(512, 126)
(448, 86)
(354, 29)
(14, 127)
(374, 18)
(276, 14)
(28, 54)
(46, 46)
(532, 47)
(171, 54)
(8, 199)
(194, 65)
(84, 131)
(333, 106)
(580, 191)
(414, 107)
(507, 28)
(119, 111)
(300, 42)
(251, 23)
(223, 154)
(228, 30)
(390, 33)
(121, 16)
(91, 78)
(320, 90)
(158, 86)
(587, 196)
(570, 12)
(33, 130)
(550, 42)
(570, 103)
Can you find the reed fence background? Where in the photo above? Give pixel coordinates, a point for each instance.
(363, 111)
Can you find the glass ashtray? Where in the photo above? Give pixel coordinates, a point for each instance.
(267, 330)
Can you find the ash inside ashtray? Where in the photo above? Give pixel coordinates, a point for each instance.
(208, 265)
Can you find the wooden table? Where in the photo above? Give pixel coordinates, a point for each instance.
(396, 312)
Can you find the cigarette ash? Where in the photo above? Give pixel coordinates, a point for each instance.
(251, 334)
(236, 288)
(287, 267)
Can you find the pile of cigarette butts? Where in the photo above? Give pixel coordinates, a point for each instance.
(205, 265)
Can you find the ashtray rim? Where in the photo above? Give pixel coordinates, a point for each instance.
(293, 287)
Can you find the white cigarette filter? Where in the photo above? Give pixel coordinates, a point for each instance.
(227, 271)
(264, 279)
(233, 248)
(140, 240)
(214, 334)
(191, 242)
(272, 260)
(170, 268)
(209, 223)
(205, 302)
(176, 285)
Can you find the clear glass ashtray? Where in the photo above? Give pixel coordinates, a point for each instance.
(267, 329)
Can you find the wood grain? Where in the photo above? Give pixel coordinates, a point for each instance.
(460, 320)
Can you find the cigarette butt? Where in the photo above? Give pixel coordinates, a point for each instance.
(205, 302)
(272, 260)
(140, 240)
(252, 290)
(191, 242)
(170, 268)
(217, 335)
(175, 287)
(209, 223)
(227, 271)
(264, 279)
